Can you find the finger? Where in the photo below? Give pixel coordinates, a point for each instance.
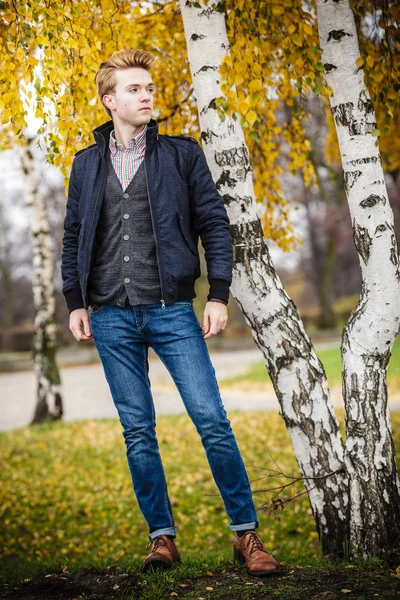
(213, 329)
(210, 333)
(86, 327)
(206, 325)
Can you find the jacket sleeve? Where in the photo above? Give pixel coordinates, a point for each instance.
(69, 257)
(211, 222)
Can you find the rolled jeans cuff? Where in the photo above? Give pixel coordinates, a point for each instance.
(164, 531)
(244, 526)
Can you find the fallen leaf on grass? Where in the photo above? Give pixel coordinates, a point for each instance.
(210, 574)
(183, 585)
(173, 594)
(209, 588)
(116, 586)
(344, 591)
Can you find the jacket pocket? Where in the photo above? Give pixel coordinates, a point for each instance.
(185, 234)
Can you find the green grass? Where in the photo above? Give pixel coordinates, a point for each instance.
(331, 361)
(66, 501)
(66, 491)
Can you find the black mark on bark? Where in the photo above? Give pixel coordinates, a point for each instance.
(343, 114)
(380, 229)
(362, 241)
(364, 161)
(207, 135)
(225, 179)
(329, 67)
(248, 241)
(211, 105)
(235, 157)
(350, 177)
(372, 200)
(337, 35)
(196, 37)
(245, 201)
(394, 255)
(207, 68)
(365, 104)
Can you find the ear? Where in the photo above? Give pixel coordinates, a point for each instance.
(109, 101)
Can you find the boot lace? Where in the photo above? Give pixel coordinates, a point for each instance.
(254, 543)
(156, 543)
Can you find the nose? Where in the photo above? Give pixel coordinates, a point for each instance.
(146, 95)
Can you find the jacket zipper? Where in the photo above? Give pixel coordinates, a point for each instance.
(155, 235)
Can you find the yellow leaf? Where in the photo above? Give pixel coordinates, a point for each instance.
(251, 117)
(359, 61)
(20, 54)
(255, 85)
(228, 61)
(6, 116)
(209, 588)
(370, 61)
(239, 79)
(308, 29)
(344, 591)
(244, 106)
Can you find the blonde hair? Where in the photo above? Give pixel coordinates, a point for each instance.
(122, 59)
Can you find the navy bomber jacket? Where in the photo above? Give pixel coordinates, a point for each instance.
(184, 204)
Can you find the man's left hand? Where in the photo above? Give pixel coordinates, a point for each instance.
(215, 318)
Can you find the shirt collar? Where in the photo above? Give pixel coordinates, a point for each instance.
(138, 142)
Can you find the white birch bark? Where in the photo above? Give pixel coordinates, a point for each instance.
(295, 370)
(371, 329)
(48, 399)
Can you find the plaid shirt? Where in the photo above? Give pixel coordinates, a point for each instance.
(126, 161)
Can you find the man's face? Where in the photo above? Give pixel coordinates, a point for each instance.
(132, 101)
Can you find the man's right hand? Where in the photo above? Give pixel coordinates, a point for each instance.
(79, 325)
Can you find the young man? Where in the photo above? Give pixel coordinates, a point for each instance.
(137, 203)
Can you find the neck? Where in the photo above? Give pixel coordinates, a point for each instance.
(123, 132)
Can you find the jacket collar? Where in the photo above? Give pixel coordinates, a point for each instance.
(101, 135)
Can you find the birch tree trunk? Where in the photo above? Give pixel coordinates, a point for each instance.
(49, 401)
(371, 329)
(296, 372)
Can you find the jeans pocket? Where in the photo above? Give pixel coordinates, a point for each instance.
(184, 303)
(96, 308)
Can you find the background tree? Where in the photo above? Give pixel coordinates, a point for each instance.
(48, 398)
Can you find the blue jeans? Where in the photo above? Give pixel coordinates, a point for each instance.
(122, 337)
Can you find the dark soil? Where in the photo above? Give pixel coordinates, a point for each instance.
(232, 584)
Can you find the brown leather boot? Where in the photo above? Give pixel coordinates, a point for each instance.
(163, 554)
(250, 550)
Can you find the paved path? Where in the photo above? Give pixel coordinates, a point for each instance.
(86, 394)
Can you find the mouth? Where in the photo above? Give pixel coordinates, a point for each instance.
(146, 108)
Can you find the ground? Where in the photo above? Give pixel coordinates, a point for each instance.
(229, 583)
